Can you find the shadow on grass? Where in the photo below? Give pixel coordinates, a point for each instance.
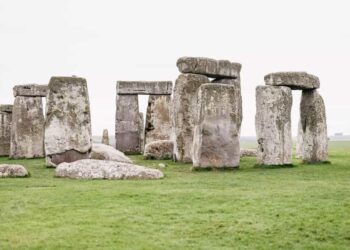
(262, 166)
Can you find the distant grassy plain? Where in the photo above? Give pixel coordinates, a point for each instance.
(300, 207)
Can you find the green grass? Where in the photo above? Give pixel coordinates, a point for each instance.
(299, 207)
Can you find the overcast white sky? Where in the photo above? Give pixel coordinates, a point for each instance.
(105, 41)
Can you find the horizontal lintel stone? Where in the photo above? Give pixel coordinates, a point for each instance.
(294, 80)
(144, 87)
(6, 108)
(34, 90)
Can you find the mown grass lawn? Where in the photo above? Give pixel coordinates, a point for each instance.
(300, 207)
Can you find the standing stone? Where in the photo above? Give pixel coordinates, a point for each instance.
(158, 121)
(142, 131)
(5, 129)
(299, 143)
(127, 134)
(27, 130)
(105, 137)
(183, 105)
(273, 125)
(68, 122)
(216, 133)
(314, 127)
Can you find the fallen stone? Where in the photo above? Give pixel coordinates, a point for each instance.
(247, 152)
(98, 169)
(108, 153)
(216, 133)
(158, 119)
(294, 80)
(12, 170)
(159, 150)
(209, 67)
(144, 87)
(183, 106)
(273, 125)
(5, 129)
(68, 122)
(33, 90)
(314, 146)
(105, 137)
(27, 128)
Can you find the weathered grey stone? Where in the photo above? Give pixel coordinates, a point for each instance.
(105, 137)
(98, 169)
(33, 90)
(273, 125)
(144, 87)
(27, 128)
(216, 133)
(108, 153)
(142, 131)
(183, 106)
(12, 170)
(314, 127)
(5, 129)
(248, 152)
(127, 134)
(159, 150)
(294, 80)
(209, 67)
(158, 118)
(68, 121)
(299, 143)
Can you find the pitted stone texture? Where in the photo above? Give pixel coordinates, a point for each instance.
(142, 131)
(209, 67)
(183, 106)
(12, 170)
(144, 87)
(159, 150)
(314, 127)
(5, 129)
(273, 125)
(33, 90)
(216, 133)
(27, 129)
(294, 80)
(68, 121)
(158, 119)
(247, 152)
(127, 134)
(105, 137)
(98, 169)
(108, 153)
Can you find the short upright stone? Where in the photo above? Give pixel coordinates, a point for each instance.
(158, 121)
(27, 130)
(127, 125)
(273, 125)
(5, 129)
(183, 106)
(68, 121)
(216, 133)
(314, 147)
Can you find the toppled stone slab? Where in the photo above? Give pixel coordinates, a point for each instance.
(216, 133)
(159, 150)
(248, 152)
(144, 87)
(294, 80)
(108, 153)
(158, 118)
(27, 128)
(33, 90)
(273, 125)
(98, 169)
(314, 147)
(184, 103)
(105, 137)
(12, 170)
(5, 129)
(209, 67)
(68, 122)
(7, 108)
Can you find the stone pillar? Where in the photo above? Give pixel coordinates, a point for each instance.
(217, 123)
(273, 125)
(158, 121)
(183, 105)
(27, 130)
(105, 137)
(314, 127)
(299, 144)
(68, 121)
(142, 131)
(127, 134)
(5, 129)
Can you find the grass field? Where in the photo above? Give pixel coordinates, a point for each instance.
(300, 207)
